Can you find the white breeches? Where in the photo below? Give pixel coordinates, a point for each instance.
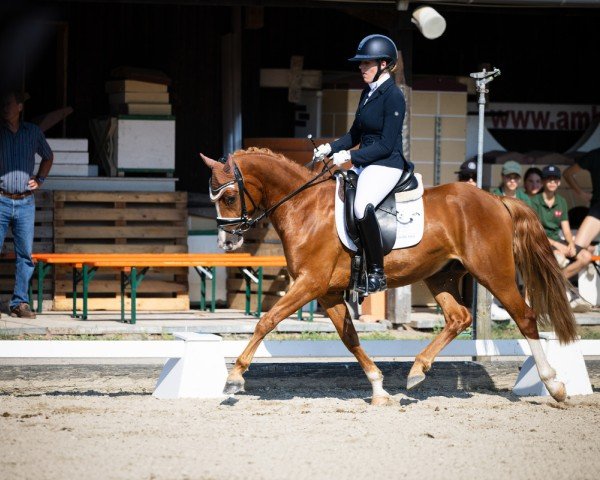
(374, 183)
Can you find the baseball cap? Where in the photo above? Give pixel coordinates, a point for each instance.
(467, 168)
(550, 171)
(511, 167)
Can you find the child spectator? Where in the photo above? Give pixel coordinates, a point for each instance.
(532, 181)
(511, 177)
(468, 172)
(552, 211)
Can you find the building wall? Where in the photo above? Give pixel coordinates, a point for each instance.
(450, 108)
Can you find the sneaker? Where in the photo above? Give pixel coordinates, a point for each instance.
(498, 313)
(579, 305)
(22, 311)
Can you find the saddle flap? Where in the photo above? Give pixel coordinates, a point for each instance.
(401, 225)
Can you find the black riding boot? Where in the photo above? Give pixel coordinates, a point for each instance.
(372, 244)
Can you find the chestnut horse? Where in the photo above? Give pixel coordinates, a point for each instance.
(466, 229)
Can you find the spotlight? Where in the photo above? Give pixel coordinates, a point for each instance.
(429, 22)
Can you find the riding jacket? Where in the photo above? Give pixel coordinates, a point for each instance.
(377, 127)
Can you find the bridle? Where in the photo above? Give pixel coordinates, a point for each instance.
(245, 221)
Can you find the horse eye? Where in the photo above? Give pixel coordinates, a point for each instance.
(229, 200)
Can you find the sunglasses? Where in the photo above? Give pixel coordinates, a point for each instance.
(463, 177)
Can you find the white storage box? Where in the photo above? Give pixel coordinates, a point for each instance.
(145, 144)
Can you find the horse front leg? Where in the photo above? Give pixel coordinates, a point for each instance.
(337, 311)
(302, 291)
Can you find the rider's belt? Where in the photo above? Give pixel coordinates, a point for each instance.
(15, 196)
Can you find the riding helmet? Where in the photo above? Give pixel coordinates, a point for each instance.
(376, 47)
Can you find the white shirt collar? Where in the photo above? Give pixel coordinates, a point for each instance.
(382, 78)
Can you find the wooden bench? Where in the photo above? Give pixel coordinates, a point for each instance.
(77, 261)
(133, 267)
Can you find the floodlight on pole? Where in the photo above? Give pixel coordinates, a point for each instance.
(429, 22)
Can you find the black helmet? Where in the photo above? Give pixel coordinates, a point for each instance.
(376, 47)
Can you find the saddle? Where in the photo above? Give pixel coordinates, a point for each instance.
(385, 211)
(386, 215)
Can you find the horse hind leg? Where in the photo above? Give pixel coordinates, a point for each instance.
(444, 287)
(337, 311)
(526, 320)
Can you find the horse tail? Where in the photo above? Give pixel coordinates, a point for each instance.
(545, 284)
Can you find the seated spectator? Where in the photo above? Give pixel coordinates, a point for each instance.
(468, 172)
(511, 177)
(590, 227)
(532, 181)
(552, 211)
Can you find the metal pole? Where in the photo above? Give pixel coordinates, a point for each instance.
(482, 325)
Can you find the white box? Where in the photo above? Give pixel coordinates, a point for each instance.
(68, 158)
(68, 144)
(145, 144)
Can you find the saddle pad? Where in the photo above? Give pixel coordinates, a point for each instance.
(410, 217)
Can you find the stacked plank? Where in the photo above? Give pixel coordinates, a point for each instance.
(42, 242)
(261, 240)
(71, 158)
(135, 97)
(122, 222)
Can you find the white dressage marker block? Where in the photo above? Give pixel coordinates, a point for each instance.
(568, 362)
(199, 373)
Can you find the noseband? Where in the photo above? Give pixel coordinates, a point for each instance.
(245, 221)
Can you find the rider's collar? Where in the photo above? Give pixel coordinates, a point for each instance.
(383, 77)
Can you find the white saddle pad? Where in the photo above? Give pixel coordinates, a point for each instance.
(409, 216)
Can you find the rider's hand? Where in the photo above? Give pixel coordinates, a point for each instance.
(321, 152)
(341, 157)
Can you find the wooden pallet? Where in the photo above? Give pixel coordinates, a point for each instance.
(261, 240)
(122, 222)
(42, 243)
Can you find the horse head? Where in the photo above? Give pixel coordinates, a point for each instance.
(235, 201)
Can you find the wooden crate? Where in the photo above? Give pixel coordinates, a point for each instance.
(42, 243)
(122, 222)
(261, 240)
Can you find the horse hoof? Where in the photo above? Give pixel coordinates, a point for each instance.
(558, 391)
(380, 401)
(233, 387)
(414, 380)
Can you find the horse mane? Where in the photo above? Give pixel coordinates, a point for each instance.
(271, 155)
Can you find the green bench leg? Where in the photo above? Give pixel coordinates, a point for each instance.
(134, 284)
(122, 296)
(202, 290)
(85, 281)
(213, 293)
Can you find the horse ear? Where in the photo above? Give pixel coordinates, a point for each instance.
(229, 164)
(210, 163)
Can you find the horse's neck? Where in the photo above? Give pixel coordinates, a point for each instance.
(279, 182)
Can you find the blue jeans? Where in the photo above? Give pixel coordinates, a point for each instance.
(20, 216)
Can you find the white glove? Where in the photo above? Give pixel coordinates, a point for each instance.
(321, 152)
(340, 157)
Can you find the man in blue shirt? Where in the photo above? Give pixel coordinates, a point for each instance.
(19, 142)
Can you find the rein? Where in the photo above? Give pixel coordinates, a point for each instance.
(245, 222)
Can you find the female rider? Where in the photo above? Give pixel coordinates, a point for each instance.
(378, 161)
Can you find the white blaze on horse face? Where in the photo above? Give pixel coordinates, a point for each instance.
(229, 242)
